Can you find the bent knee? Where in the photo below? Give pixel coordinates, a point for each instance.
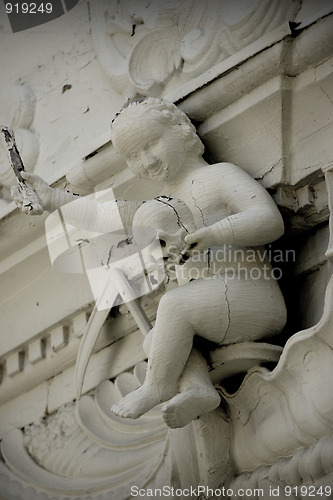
(172, 302)
(147, 341)
(168, 299)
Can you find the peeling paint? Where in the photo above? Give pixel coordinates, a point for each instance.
(66, 87)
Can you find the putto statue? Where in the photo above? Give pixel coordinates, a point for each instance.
(227, 292)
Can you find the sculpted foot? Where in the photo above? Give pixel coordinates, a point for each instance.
(189, 405)
(138, 402)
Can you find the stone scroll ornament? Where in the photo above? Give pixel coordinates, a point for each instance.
(30, 203)
(142, 46)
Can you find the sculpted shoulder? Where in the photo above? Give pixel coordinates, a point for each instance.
(221, 169)
(222, 175)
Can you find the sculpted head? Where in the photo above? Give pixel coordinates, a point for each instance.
(155, 137)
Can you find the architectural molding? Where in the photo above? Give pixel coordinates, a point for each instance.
(230, 101)
(190, 36)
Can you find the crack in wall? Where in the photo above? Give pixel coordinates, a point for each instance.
(324, 92)
(259, 178)
(254, 409)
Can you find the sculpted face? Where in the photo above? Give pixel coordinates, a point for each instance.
(153, 150)
(156, 138)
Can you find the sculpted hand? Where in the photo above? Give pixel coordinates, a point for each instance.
(200, 239)
(35, 197)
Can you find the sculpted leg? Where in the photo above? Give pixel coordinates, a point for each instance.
(171, 345)
(197, 394)
(222, 312)
(179, 313)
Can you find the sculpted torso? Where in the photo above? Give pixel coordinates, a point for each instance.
(202, 191)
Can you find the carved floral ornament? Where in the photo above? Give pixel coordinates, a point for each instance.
(142, 44)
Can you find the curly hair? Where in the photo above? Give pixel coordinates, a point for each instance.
(161, 110)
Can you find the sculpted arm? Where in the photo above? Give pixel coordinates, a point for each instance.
(80, 211)
(255, 219)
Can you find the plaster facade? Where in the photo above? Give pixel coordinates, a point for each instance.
(260, 94)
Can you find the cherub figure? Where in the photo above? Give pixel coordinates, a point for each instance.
(225, 297)
(169, 220)
(230, 209)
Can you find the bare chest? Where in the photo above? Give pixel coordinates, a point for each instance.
(203, 199)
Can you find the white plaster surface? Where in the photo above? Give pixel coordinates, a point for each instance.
(266, 107)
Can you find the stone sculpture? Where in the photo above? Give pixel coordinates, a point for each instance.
(171, 220)
(228, 293)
